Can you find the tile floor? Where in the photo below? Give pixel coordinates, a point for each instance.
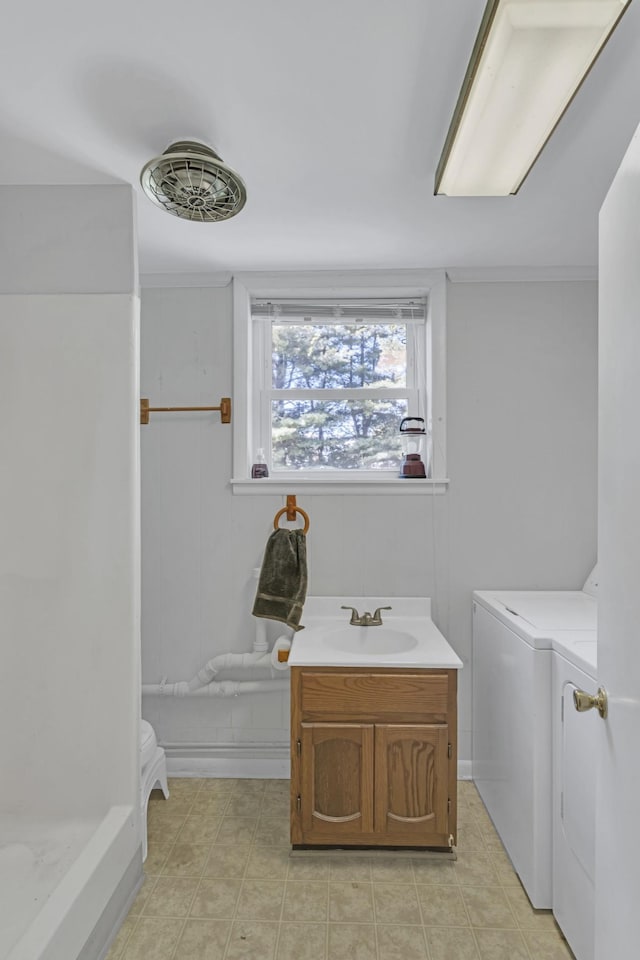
(220, 885)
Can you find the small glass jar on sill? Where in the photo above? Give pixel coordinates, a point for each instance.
(259, 470)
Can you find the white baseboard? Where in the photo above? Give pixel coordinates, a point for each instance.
(465, 771)
(242, 760)
(240, 768)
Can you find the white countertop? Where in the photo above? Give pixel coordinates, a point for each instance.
(409, 622)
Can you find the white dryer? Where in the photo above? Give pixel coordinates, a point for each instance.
(512, 730)
(574, 790)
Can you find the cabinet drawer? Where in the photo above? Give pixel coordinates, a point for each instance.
(374, 696)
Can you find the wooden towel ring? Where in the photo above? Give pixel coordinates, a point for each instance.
(297, 510)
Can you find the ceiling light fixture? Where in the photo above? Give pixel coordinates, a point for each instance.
(529, 58)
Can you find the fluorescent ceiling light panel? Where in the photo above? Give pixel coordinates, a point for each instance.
(529, 59)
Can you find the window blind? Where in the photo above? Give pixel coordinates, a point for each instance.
(340, 311)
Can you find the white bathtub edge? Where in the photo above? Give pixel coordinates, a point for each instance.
(69, 916)
(115, 913)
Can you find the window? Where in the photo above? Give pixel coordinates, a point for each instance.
(326, 365)
(334, 378)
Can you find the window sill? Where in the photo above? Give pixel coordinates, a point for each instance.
(333, 486)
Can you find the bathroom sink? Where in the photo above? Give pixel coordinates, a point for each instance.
(371, 640)
(408, 637)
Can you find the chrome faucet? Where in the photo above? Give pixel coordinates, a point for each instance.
(366, 620)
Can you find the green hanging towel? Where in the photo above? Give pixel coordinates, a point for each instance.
(282, 587)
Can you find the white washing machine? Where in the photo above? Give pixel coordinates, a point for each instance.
(574, 790)
(512, 730)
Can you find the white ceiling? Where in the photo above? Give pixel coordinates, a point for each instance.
(334, 112)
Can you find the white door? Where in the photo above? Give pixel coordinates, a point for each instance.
(617, 913)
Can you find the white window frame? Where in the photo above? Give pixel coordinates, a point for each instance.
(378, 284)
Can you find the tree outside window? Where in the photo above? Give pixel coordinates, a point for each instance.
(337, 380)
(356, 432)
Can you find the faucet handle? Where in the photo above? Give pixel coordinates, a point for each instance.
(355, 616)
(377, 616)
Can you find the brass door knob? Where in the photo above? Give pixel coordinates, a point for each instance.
(583, 701)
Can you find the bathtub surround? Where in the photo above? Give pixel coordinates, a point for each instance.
(519, 510)
(69, 569)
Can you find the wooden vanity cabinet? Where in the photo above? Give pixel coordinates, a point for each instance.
(373, 757)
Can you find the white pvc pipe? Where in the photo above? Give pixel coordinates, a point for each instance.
(225, 661)
(260, 644)
(223, 688)
(204, 683)
(205, 677)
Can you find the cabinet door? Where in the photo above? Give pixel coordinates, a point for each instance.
(337, 781)
(411, 783)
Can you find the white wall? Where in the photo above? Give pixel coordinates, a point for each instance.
(520, 511)
(67, 239)
(522, 445)
(69, 529)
